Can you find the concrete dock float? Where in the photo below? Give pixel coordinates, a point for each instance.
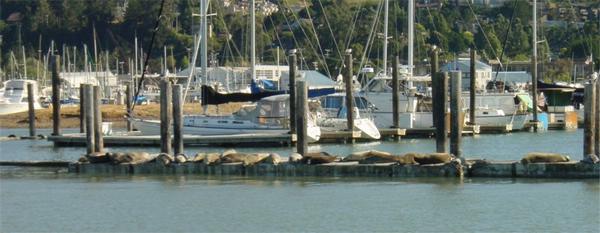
(471, 168)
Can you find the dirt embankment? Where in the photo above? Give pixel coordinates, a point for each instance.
(110, 113)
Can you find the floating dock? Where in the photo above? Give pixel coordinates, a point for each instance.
(471, 168)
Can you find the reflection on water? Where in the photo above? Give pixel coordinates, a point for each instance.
(195, 203)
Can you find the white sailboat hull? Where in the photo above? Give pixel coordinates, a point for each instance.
(10, 108)
(152, 127)
(365, 126)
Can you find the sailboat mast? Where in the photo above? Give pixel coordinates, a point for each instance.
(534, 66)
(385, 36)
(204, 40)
(252, 39)
(411, 35)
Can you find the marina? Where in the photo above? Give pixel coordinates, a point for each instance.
(299, 116)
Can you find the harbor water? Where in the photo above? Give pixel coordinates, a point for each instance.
(51, 200)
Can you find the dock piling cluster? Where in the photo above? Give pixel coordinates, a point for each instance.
(166, 111)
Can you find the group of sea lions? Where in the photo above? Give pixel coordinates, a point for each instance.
(250, 159)
(117, 158)
(374, 157)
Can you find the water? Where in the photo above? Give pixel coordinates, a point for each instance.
(33, 199)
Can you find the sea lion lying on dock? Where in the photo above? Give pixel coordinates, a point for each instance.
(295, 158)
(252, 159)
(540, 157)
(211, 158)
(129, 157)
(432, 158)
(97, 157)
(197, 158)
(232, 158)
(164, 159)
(362, 155)
(181, 158)
(273, 159)
(318, 158)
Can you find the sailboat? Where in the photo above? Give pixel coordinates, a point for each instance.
(269, 115)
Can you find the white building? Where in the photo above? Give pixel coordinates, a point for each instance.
(483, 72)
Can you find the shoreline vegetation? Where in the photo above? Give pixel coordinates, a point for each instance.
(110, 113)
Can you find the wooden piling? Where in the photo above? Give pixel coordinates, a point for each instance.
(82, 108)
(473, 88)
(30, 101)
(597, 123)
(89, 118)
(129, 99)
(98, 136)
(292, 89)
(177, 119)
(396, 94)
(166, 97)
(439, 88)
(349, 97)
(440, 110)
(55, 61)
(589, 118)
(301, 117)
(455, 112)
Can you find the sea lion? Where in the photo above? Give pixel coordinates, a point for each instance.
(115, 157)
(164, 159)
(83, 159)
(232, 158)
(295, 158)
(198, 158)
(97, 157)
(362, 155)
(227, 152)
(540, 157)
(211, 158)
(318, 158)
(432, 158)
(181, 158)
(273, 159)
(407, 159)
(251, 159)
(136, 157)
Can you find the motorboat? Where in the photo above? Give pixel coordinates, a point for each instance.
(497, 117)
(332, 116)
(269, 115)
(14, 97)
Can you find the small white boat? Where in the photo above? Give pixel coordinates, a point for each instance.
(497, 117)
(337, 122)
(270, 115)
(14, 97)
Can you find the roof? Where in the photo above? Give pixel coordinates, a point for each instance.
(313, 79)
(463, 64)
(513, 76)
